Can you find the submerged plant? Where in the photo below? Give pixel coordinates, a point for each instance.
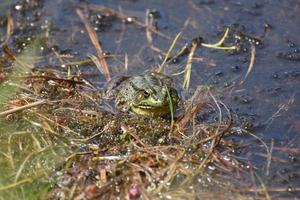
(28, 156)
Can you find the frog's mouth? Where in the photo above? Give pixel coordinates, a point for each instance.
(151, 110)
(149, 103)
(149, 106)
(153, 105)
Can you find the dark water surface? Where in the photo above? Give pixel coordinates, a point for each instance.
(268, 101)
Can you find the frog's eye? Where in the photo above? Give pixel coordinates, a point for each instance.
(146, 94)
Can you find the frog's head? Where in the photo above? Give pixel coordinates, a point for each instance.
(155, 100)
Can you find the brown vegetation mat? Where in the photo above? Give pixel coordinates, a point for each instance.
(115, 154)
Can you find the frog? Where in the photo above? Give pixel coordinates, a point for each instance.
(148, 94)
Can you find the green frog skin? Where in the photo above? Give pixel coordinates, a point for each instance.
(145, 94)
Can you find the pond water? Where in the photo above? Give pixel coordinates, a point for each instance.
(267, 102)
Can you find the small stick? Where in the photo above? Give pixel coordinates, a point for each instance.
(195, 44)
(123, 17)
(149, 25)
(37, 103)
(132, 132)
(95, 42)
(9, 29)
(269, 159)
(251, 64)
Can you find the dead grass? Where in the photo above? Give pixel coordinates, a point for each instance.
(133, 153)
(65, 136)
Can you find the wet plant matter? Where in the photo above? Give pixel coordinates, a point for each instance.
(66, 126)
(61, 140)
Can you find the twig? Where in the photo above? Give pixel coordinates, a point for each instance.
(269, 158)
(149, 25)
(55, 79)
(126, 62)
(132, 132)
(283, 107)
(171, 170)
(271, 189)
(195, 44)
(277, 159)
(123, 17)
(16, 184)
(9, 29)
(25, 161)
(264, 188)
(37, 103)
(76, 63)
(219, 44)
(217, 139)
(258, 138)
(287, 149)
(251, 64)
(190, 112)
(119, 157)
(94, 39)
(168, 55)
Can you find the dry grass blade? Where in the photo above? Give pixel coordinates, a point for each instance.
(221, 133)
(283, 107)
(76, 63)
(133, 133)
(94, 39)
(288, 149)
(54, 123)
(9, 29)
(259, 139)
(215, 140)
(251, 64)
(269, 158)
(22, 166)
(264, 188)
(188, 69)
(207, 157)
(219, 45)
(38, 103)
(126, 62)
(274, 189)
(170, 172)
(123, 17)
(190, 112)
(182, 51)
(219, 109)
(149, 25)
(168, 55)
(16, 184)
(96, 61)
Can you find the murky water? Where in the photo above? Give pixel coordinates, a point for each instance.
(269, 99)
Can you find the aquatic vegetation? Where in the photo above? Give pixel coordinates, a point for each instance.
(60, 139)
